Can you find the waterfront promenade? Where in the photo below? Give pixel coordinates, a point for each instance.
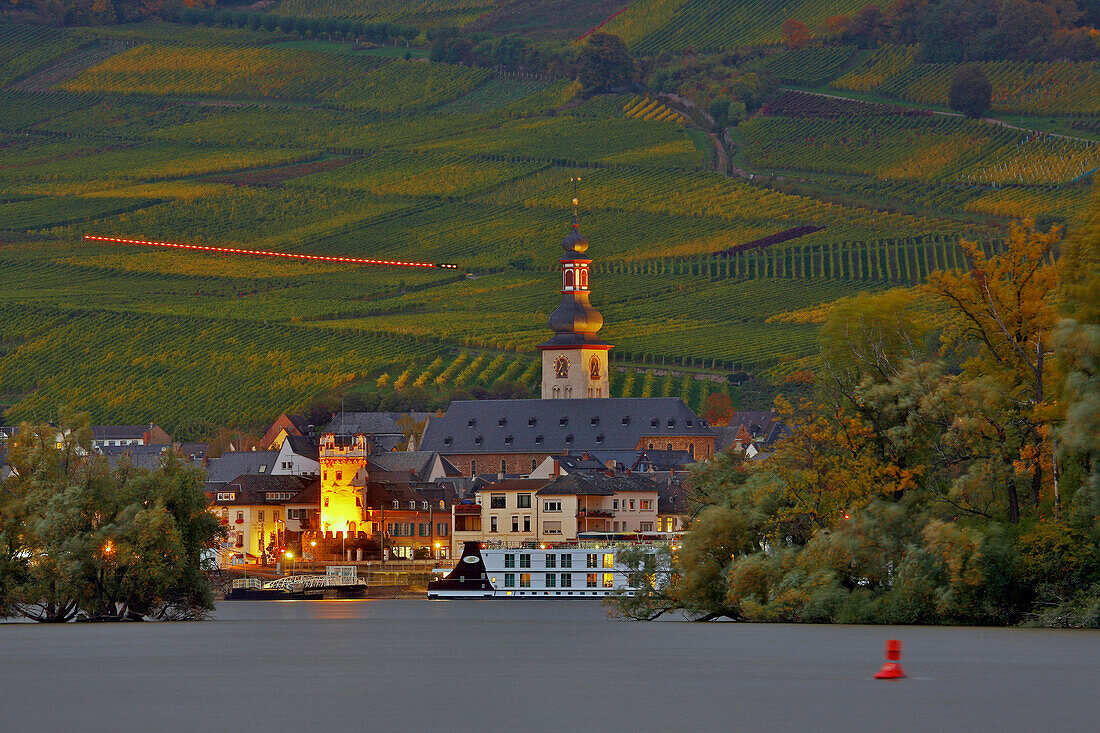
(532, 665)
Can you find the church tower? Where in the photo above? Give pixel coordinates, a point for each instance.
(574, 360)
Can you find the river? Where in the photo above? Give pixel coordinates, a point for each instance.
(532, 665)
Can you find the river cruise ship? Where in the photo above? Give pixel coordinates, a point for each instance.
(588, 568)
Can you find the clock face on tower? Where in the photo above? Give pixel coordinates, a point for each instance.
(561, 366)
(594, 367)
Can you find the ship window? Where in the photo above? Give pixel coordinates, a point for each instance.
(509, 560)
(566, 580)
(608, 580)
(509, 580)
(551, 580)
(592, 560)
(551, 560)
(525, 560)
(567, 560)
(608, 560)
(590, 580)
(525, 580)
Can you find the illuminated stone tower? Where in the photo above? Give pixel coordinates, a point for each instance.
(343, 477)
(574, 360)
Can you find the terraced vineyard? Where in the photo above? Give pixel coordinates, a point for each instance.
(236, 137)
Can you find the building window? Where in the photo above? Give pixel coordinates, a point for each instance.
(594, 368)
(496, 501)
(647, 505)
(568, 278)
(424, 505)
(593, 560)
(509, 580)
(590, 580)
(509, 560)
(631, 505)
(275, 517)
(339, 475)
(396, 504)
(534, 464)
(551, 580)
(525, 561)
(566, 580)
(324, 475)
(515, 523)
(584, 279)
(226, 496)
(441, 529)
(527, 523)
(523, 501)
(551, 527)
(240, 517)
(492, 524)
(525, 580)
(551, 560)
(260, 516)
(473, 468)
(567, 560)
(609, 560)
(615, 504)
(608, 580)
(425, 529)
(691, 449)
(646, 527)
(668, 446)
(326, 502)
(551, 506)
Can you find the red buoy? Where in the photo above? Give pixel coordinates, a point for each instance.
(891, 668)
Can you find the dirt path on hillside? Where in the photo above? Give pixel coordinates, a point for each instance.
(941, 113)
(70, 66)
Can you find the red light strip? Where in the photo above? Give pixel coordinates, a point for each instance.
(264, 253)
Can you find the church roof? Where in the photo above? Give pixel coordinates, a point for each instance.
(556, 426)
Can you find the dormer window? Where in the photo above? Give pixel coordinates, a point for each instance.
(532, 422)
(448, 440)
(596, 421)
(424, 504)
(477, 440)
(672, 423)
(508, 440)
(599, 438)
(653, 423)
(562, 422)
(502, 422)
(412, 504)
(626, 419)
(472, 422)
(688, 423)
(569, 438)
(538, 440)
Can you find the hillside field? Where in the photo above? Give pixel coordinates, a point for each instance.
(252, 139)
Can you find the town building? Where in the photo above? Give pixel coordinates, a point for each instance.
(387, 430)
(297, 457)
(253, 509)
(104, 436)
(285, 426)
(537, 511)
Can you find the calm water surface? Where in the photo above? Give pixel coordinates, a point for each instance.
(532, 665)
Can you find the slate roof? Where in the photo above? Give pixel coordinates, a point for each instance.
(555, 426)
(379, 423)
(672, 499)
(381, 495)
(141, 456)
(236, 463)
(594, 483)
(303, 446)
(417, 463)
(119, 432)
(250, 489)
(662, 460)
(763, 425)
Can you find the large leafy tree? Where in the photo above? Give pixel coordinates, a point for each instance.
(604, 64)
(77, 538)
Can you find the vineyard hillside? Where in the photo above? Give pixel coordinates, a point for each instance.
(338, 129)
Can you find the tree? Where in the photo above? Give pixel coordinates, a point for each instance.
(719, 408)
(604, 64)
(1002, 316)
(970, 93)
(79, 538)
(795, 33)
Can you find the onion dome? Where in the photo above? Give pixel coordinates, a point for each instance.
(574, 242)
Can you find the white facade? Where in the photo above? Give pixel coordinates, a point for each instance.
(289, 463)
